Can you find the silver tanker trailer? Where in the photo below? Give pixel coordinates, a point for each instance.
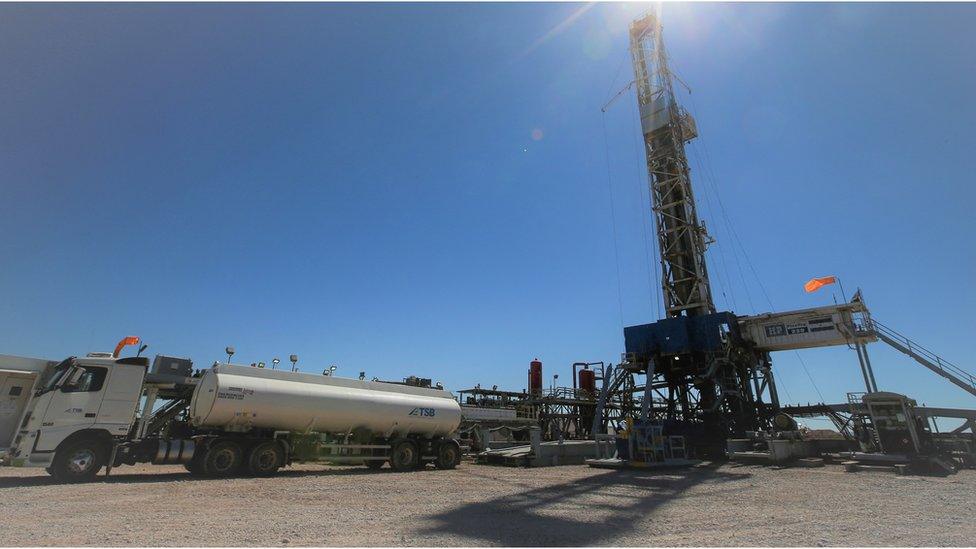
(79, 415)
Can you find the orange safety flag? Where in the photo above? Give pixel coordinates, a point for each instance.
(127, 340)
(815, 284)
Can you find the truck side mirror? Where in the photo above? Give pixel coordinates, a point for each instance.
(74, 377)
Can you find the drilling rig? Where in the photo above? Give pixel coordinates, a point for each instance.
(703, 375)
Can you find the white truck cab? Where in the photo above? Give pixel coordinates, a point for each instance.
(69, 412)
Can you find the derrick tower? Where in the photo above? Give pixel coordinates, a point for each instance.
(699, 375)
(666, 127)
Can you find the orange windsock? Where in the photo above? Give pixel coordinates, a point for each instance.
(815, 284)
(127, 340)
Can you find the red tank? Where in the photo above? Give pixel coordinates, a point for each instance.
(535, 377)
(587, 381)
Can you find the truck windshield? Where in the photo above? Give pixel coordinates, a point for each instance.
(56, 375)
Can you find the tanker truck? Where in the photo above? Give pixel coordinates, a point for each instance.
(79, 415)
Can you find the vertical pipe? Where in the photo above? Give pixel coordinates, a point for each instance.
(646, 404)
(864, 372)
(870, 370)
(771, 388)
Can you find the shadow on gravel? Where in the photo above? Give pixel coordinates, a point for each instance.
(149, 478)
(522, 519)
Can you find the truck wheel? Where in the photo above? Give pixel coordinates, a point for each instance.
(78, 461)
(195, 465)
(376, 464)
(265, 459)
(448, 455)
(222, 459)
(405, 456)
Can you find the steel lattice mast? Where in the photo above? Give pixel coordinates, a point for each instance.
(666, 127)
(701, 376)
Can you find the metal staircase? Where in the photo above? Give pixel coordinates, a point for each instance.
(860, 424)
(926, 358)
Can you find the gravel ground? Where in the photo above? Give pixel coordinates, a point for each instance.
(478, 505)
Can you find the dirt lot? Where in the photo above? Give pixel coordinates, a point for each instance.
(481, 505)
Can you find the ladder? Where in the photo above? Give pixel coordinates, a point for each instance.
(923, 356)
(861, 423)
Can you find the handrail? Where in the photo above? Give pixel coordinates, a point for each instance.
(570, 393)
(935, 360)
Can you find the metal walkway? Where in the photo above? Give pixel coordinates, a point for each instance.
(926, 358)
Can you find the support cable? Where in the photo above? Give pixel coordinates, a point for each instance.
(730, 296)
(642, 184)
(806, 371)
(755, 274)
(788, 395)
(657, 303)
(613, 84)
(710, 177)
(613, 219)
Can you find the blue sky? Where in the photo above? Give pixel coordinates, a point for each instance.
(423, 189)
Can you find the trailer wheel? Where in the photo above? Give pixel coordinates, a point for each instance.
(223, 459)
(78, 461)
(405, 456)
(448, 455)
(265, 459)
